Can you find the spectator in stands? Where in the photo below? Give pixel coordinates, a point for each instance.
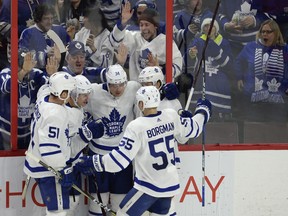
(75, 9)
(25, 19)
(218, 65)
(240, 22)
(111, 10)
(276, 10)
(178, 5)
(25, 14)
(133, 25)
(37, 37)
(72, 27)
(30, 80)
(59, 16)
(138, 8)
(145, 48)
(94, 34)
(75, 59)
(211, 4)
(262, 71)
(5, 43)
(187, 22)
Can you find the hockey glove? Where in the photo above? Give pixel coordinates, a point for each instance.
(204, 107)
(185, 113)
(170, 91)
(92, 130)
(89, 164)
(67, 177)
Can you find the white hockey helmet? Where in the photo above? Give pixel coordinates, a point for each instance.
(115, 74)
(61, 81)
(149, 95)
(83, 86)
(151, 74)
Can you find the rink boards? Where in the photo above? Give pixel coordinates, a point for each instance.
(239, 180)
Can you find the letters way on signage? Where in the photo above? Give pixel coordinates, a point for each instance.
(196, 190)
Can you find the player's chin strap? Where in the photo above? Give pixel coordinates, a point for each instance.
(58, 174)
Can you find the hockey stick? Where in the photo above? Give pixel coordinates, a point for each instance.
(203, 136)
(203, 95)
(26, 187)
(98, 193)
(57, 40)
(58, 174)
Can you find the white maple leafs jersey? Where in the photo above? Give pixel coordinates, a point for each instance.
(50, 140)
(77, 118)
(138, 49)
(175, 105)
(150, 141)
(115, 113)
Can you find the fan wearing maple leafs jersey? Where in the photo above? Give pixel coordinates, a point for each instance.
(113, 102)
(145, 47)
(36, 37)
(239, 22)
(218, 69)
(29, 81)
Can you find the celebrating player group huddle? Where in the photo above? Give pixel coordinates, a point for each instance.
(121, 124)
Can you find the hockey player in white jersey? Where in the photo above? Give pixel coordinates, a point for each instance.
(50, 142)
(80, 138)
(53, 133)
(153, 76)
(79, 99)
(149, 141)
(113, 102)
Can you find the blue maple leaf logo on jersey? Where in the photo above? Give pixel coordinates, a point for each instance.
(67, 136)
(143, 58)
(114, 125)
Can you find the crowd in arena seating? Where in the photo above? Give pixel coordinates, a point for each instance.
(232, 75)
(243, 56)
